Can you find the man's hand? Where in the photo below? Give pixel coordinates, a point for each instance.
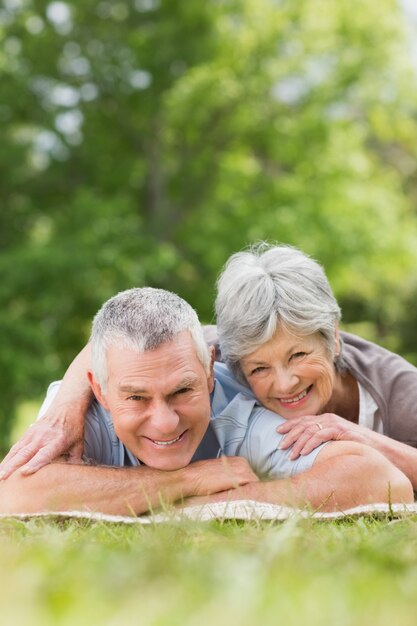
(44, 441)
(309, 431)
(217, 475)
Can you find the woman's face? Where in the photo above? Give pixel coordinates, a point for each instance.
(291, 375)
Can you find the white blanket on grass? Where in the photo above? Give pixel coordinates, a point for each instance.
(237, 509)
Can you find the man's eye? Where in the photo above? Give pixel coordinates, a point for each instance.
(182, 390)
(135, 398)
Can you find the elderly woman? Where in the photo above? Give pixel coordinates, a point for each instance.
(277, 322)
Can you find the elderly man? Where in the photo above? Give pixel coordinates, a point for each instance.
(153, 436)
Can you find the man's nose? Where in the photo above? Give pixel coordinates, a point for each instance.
(164, 419)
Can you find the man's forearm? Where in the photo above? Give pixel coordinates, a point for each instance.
(346, 475)
(117, 491)
(65, 487)
(347, 488)
(400, 454)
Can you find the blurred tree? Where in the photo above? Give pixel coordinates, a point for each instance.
(145, 140)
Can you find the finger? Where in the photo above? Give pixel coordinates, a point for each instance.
(299, 445)
(42, 457)
(287, 426)
(323, 436)
(286, 442)
(309, 437)
(29, 442)
(17, 447)
(293, 436)
(17, 457)
(290, 424)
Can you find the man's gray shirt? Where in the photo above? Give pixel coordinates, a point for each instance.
(239, 426)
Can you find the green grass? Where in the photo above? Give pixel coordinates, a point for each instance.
(217, 574)
(305, 572)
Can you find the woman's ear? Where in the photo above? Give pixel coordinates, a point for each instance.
(337, 341)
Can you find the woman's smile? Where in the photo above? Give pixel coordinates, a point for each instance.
(296, 399)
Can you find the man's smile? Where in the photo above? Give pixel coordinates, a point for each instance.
(167, 442)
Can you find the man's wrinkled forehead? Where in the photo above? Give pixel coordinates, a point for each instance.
(175, 361)
(187, 381)
(142, 350)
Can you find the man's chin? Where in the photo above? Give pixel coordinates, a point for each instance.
(174, 462)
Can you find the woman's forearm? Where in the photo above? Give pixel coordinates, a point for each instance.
(75, 389)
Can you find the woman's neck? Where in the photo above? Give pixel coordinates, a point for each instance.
(345, 398)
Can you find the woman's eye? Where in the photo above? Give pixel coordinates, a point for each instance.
(258, 370)
(298, 355)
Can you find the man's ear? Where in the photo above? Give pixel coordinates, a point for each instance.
(96, 387)
(210, 378)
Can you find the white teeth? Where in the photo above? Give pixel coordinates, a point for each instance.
(299, 397)
(166, 443)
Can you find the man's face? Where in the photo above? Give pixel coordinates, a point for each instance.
(159, 401)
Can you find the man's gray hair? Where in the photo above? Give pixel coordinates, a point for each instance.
(268, 287)
(143, 319)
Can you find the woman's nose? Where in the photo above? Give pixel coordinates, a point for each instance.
(285, 381)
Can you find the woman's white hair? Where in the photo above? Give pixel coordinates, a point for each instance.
(143, 319)
(268, 287)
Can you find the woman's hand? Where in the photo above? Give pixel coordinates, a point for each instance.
(307, 432)
(44, 441)
(60, 431)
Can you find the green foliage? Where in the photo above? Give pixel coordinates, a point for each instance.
(297, 572)
(146, 140)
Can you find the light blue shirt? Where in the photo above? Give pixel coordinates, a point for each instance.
(245, 428)
(239, 426)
